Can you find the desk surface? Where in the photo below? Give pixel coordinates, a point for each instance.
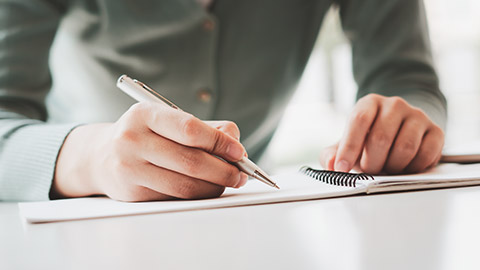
(437, 229)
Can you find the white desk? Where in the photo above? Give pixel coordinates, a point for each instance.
(417, 230)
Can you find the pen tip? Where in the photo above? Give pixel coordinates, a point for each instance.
(264, 178)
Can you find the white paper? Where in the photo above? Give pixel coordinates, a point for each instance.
(294, 187)
(442, 176)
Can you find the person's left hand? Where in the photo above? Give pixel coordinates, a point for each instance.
(386, 135)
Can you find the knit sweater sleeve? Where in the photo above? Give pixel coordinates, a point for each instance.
(28, 144)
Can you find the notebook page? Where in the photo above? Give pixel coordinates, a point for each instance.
(294, 186)
(442, 176)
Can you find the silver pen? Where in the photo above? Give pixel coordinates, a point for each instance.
(142, 92)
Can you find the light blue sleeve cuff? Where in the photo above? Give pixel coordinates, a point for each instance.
(27, 162)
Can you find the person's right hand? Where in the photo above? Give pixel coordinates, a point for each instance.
(152, 152)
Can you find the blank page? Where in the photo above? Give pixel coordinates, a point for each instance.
(294, 186)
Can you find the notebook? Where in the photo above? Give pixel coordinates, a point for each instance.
(295, 186)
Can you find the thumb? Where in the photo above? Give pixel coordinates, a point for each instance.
(327, 156)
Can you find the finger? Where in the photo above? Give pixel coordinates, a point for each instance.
(189, 161)
(188, 130)
(327, 157)
(228, 127)
(406, 146)
(429, 150)
(382, 135)
(178, 185)
(356, 166)
(439, 155)
(435, 162)
(351, 145)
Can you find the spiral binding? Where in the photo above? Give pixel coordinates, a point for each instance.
(336, 178)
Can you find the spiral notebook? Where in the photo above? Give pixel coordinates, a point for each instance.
(306, 184)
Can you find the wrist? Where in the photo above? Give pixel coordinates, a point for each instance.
(75, 168)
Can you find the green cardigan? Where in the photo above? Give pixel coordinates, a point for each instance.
(240, 60)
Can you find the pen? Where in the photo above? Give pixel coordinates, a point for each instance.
(142, 92)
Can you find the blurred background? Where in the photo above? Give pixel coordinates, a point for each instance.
(327, 90)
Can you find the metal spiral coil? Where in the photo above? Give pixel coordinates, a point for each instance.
(336, 178)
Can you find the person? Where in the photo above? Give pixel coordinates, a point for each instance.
(66, 131)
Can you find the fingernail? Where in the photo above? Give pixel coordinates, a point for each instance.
(342, 166)
(243, 180)
(235, 151)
